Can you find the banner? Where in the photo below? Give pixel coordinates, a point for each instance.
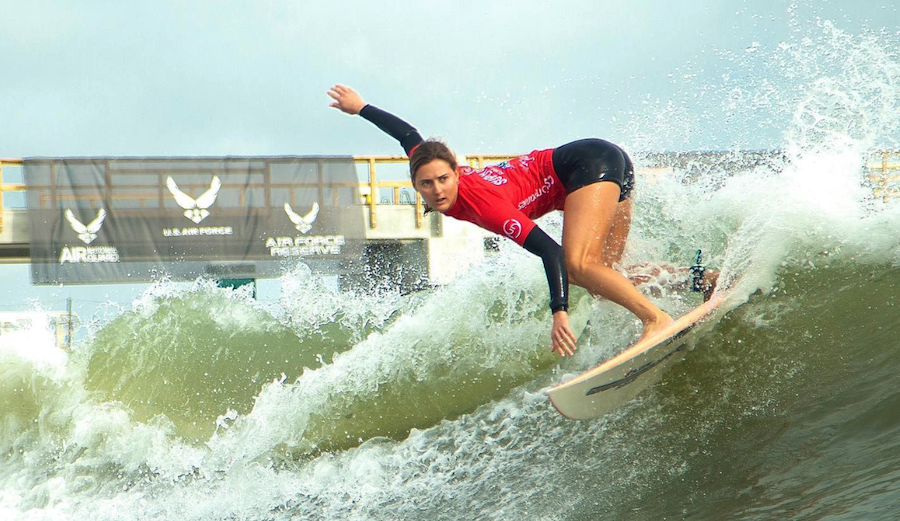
(97, 220)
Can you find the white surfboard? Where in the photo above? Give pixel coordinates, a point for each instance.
(616, 381)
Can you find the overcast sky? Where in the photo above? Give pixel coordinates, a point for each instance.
(226, 77)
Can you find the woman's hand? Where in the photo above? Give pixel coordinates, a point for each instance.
(346, 99)
(562, 335)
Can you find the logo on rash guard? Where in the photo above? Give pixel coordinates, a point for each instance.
(493, 175)
(543, 190)
(512, 228)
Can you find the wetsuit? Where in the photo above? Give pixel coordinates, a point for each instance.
(505, 198)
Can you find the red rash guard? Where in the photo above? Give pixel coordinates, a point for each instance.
(505, 198)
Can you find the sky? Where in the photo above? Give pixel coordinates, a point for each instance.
(227, 77)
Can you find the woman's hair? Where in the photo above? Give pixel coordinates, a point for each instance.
(426, 152)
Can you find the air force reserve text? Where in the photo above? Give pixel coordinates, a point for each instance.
(305, 246)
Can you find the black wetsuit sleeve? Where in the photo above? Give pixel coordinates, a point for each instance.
(395, 127)
(540, 244)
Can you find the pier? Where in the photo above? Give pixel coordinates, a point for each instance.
(402, 242)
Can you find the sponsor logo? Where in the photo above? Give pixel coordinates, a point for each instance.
(543, 190)
(303, 223)
(525, 160)
(204, 231)
(512, 228)
(87, 233)
(195, 209)
(493, 175)
(88, 254)
(308, 245)
(305, 246)
(521, 162)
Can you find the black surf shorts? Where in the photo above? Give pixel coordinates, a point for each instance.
(588, 161)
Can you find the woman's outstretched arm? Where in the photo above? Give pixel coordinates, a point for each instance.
(551, 253)
(350, 102)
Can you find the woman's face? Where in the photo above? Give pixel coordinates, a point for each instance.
(438, 183)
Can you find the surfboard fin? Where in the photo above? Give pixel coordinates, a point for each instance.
(697, 272)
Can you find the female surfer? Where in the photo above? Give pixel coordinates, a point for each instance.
(590, 179)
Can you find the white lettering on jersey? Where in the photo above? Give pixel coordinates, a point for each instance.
(493, 175)
(543, 190)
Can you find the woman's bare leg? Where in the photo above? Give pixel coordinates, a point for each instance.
(618, 234)
(590, 216)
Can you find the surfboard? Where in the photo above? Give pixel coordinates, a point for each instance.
(618, 380)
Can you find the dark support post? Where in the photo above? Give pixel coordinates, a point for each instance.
(70, 324)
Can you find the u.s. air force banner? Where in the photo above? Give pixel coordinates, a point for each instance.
(97, 220)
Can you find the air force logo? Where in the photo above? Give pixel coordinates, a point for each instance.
(306, 245)
(303, 223)
(195, 209)
(87, 233)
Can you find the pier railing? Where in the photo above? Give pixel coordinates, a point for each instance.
(374, 192)
(372, 189)
(884, 176)
(8, 187)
